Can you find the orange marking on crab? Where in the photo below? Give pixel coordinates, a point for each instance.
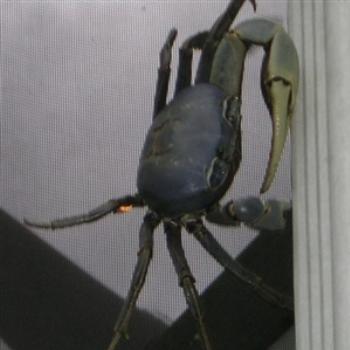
(124, 209)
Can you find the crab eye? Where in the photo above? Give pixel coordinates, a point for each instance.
(217, 173)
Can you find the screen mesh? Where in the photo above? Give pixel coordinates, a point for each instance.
(77, 85)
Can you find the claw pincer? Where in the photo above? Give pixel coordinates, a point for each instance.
(279, 82)
(279, 77)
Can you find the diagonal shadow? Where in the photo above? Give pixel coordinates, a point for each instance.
(48, 303)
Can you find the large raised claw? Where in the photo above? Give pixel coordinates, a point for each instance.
(279, 81)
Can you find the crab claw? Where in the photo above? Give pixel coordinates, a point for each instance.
(279, 81)
(279, 85)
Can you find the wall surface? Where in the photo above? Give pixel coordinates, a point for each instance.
(77, 84)
(321, 169)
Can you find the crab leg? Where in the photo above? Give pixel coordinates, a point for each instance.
(186, 279)
(215, 35)
(250, 211)
(119, 205)
(144, 257)
(211, 245)
(164, 73)
(184, 73)
(279, 81)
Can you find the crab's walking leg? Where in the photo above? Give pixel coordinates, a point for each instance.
(217, 32)
(210, 244)
(186, 279)
(163, 73)
(184, 73)
(279, 81)
(144, 257)
(118, 205)
(251, 211)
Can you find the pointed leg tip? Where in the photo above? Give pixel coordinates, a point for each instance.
(253, 2)
(172, 36)
(28, 222)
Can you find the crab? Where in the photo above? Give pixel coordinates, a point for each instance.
(192, 152)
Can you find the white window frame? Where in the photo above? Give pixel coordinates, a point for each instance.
(321, 174)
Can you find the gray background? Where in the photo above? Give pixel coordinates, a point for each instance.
(77, 85)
